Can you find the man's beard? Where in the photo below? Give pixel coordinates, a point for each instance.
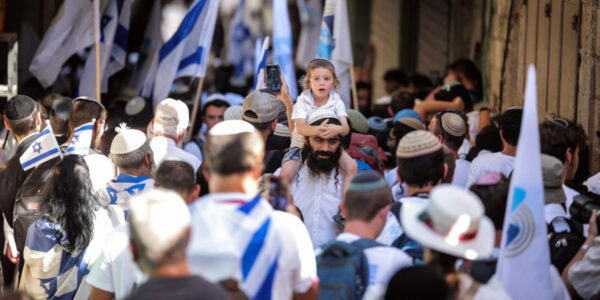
(318, 165)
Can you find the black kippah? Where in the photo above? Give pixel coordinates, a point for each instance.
(367, 181)
(19, 107)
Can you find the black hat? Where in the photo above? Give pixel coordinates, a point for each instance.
(19, 107)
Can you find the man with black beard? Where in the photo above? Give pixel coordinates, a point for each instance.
(317, 187)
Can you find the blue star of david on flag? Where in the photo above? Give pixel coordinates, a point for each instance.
(44, 148)
(37, 147)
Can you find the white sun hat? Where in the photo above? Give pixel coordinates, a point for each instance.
(451, 222)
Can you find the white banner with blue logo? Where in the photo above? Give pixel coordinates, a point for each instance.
(524, 261)
(44, 148)
(82, 139)
(186, 52)
(239, 47)
(114, 31)
(282, 45)
(261, 61)
(148, 51)
(308, 43)
(71, 31)
(335, 44)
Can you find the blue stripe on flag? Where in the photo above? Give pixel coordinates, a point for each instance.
(44, 132)
(191, 59)
(261, 65)
(246, 208)
(266, 288)
(40, 157)
(254, 247)
(121, 37)
(125, 178)
(120, 6)
(183, 31)
(84, 127)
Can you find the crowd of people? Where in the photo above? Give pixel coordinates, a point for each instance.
(269, 197)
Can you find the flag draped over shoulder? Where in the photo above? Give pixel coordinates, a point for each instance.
(335, 44)
(114, 31)
(186, 52)
(149, 50)
(71, 31)
(308, 43)
(282, 45)
(524, 261)
(44, 148)
(82, 139)
(261, 61)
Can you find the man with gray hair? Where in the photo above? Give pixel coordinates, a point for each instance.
(133, 156)
(159, 224)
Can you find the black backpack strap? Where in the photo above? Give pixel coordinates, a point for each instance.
(395, 209)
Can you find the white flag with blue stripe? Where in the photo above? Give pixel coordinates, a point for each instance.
(44, 148)
(71, 31)
(148, 51)
(239, 47)
(524, 261)
(261, 61)
(82, 139)
(282, 45)
(186, 52)
(335, 44)
(308, 42)
(114, 31)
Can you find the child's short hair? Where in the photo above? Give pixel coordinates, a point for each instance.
(319, 63)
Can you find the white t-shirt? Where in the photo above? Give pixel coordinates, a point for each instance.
(384, 262)
(101, 168)
(164, 148)
(318, 198)
(461, 172)
(115, 271)
(212, 252)
(304, 107)
(398, 188)
(495, 162)
(392, 229)
(464, 149)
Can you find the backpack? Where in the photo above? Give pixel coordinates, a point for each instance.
(565, 244)
(343, 269)
(364, 147)
(403, 242)
(29, 199)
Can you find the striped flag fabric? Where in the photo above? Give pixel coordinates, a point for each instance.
(82, 139)
(186, 52)
(524, 262)
(114, 32)
(239, 46)
(282, 45)
(261, 61)
(148, 51)
(44, 148)
(308, 42)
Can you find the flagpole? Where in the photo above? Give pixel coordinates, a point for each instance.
(353, 84)
(97, 45)
(195, 108)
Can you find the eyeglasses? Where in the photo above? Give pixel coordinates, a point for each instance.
(330, 142)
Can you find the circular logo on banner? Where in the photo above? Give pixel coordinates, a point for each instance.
(521, 230)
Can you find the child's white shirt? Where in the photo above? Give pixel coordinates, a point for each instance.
(304, 107)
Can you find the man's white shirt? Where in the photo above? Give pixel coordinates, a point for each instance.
(318, 198)
(494, 162)
(164, 148)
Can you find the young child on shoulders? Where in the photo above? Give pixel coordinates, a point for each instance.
(318, 93)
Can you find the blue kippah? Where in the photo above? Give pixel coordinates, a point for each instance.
(407, 113)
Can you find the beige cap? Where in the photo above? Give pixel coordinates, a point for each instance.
(413, 123)
(552, 172)
(171, 117)
(453, 124)
(263, 104)
(417, 143)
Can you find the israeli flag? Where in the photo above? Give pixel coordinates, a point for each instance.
(335, 44)
(524, 261)
(282, 45)
(44, 148)
(239, 47)
(114, 31)
(82, 139)
(186, 52)
(311, 13)
(261, 61)
(148, 51)
(71, 31)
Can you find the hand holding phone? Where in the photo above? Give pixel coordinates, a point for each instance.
(273, 80)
